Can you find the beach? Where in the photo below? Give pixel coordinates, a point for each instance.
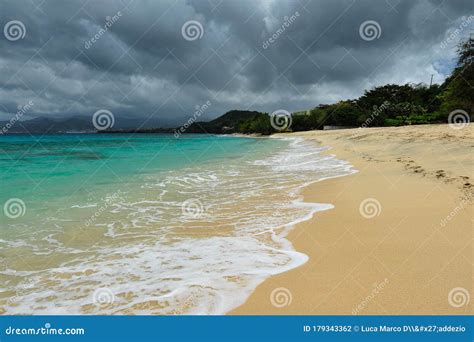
(399, 238)
(319, 222)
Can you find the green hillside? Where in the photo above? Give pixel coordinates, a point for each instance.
(388, 105)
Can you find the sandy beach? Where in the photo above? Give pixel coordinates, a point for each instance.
(400, 238)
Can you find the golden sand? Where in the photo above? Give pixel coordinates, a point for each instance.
(400, 238)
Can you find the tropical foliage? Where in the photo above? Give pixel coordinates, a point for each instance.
(388, 105)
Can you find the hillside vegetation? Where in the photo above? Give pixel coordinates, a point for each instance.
(388, 105)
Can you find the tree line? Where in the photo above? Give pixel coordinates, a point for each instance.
(388, 105)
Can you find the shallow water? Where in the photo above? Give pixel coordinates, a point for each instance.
(149, 224)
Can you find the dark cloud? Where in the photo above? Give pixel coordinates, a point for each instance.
(261, 55)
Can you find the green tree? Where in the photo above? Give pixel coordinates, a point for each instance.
(459, 93)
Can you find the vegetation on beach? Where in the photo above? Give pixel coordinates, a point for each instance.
(388, 105)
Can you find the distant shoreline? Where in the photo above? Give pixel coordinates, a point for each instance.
(171, 131)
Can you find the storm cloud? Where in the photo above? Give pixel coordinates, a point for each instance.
(161, 59)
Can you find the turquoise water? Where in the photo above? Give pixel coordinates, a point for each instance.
(149, 224)
(61, 167)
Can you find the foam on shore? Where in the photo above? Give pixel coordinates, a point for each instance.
(157, 257)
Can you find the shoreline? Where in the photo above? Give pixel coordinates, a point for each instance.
(202, 284)
(409, 258)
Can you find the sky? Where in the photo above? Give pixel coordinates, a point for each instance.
(160, 60)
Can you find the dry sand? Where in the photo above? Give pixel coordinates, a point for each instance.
(414, 257)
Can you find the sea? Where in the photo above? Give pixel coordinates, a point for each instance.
(150, 224)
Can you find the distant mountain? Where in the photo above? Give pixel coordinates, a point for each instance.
(230, 122)
(234, 117)
(227, 123)
(44, 125)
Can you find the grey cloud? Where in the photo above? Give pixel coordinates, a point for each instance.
(143, 67)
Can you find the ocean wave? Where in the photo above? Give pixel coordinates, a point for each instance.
(152, 255)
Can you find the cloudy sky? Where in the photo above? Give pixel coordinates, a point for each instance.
(160, 59)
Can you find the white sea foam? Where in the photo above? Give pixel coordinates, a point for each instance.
(84, 206)
(155, 260)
